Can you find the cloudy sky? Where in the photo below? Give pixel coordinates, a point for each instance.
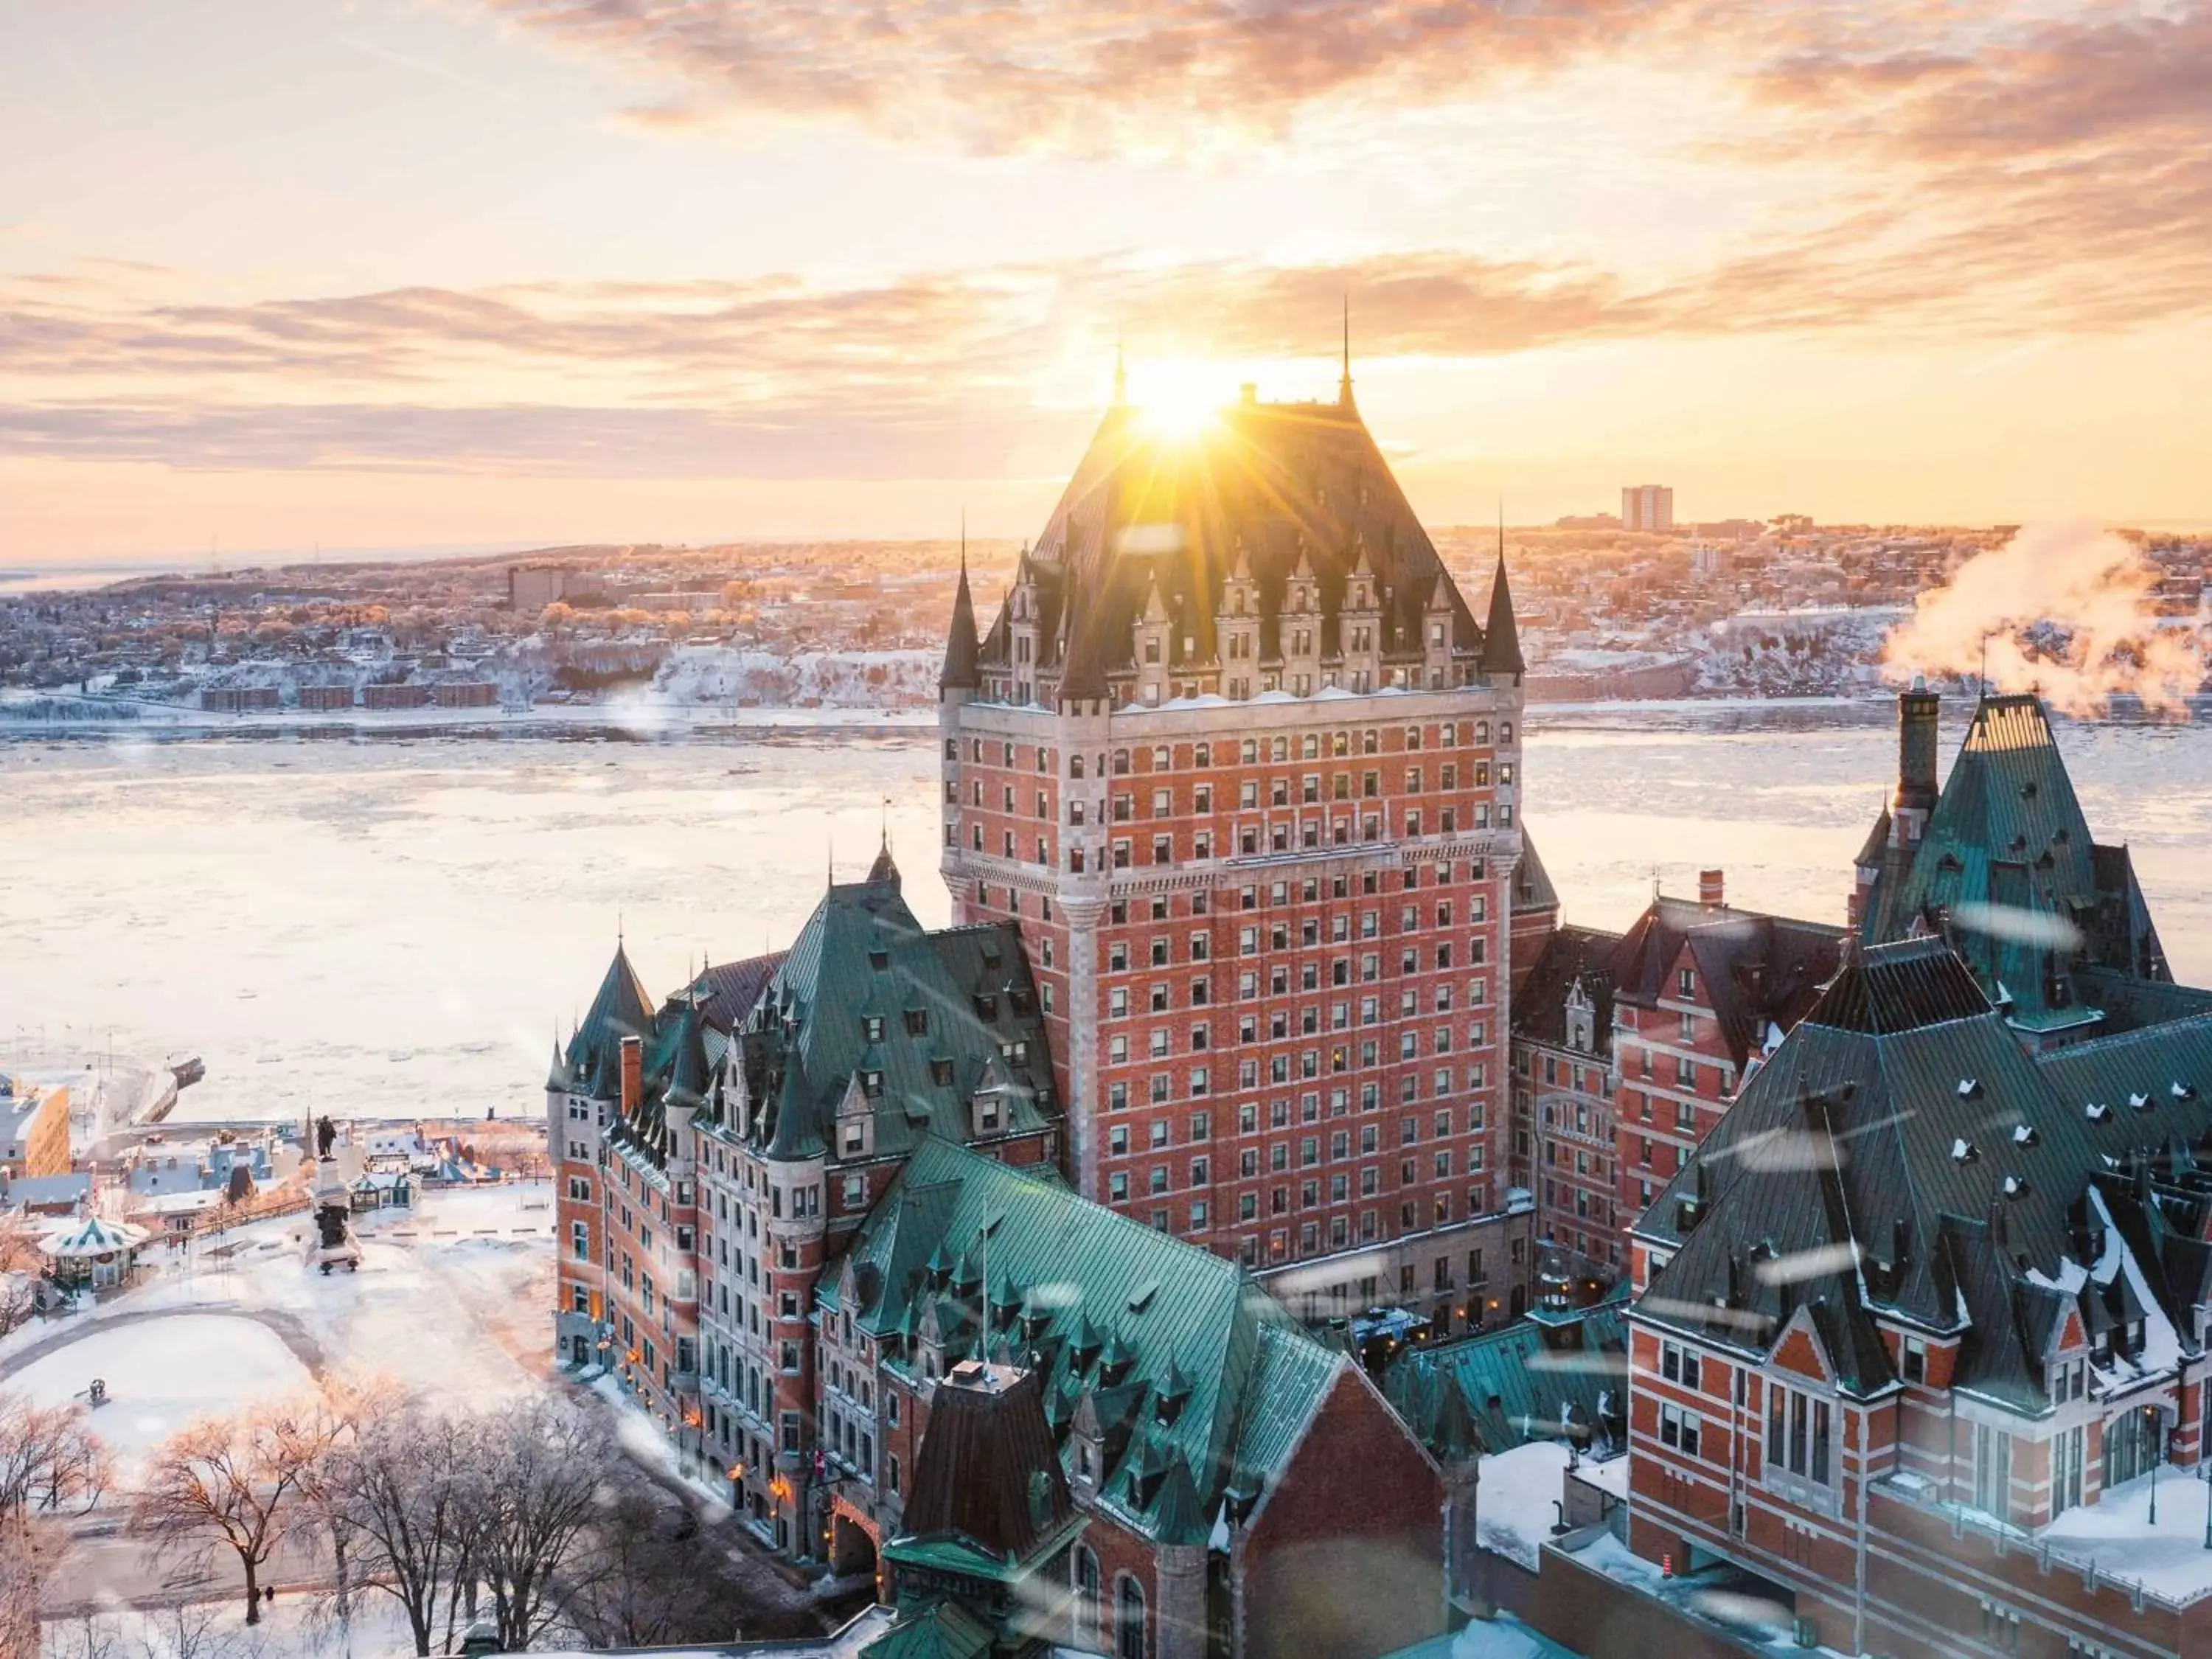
(410, 272)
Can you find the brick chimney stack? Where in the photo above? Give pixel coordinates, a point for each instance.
(1917, 709)
(633, 1074)
(1712, 889)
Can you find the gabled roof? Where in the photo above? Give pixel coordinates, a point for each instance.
(727, 993)
(2007, 834)
(1902, 1154)
(864, 963)
(1266, 494)
(1755, 969)
(1532, 883)
(1572, 956)
(1174, 1354)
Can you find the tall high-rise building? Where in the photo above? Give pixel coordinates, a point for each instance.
(1239, 762)
(1647, 507)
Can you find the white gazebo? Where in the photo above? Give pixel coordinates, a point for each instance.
(92, 1250)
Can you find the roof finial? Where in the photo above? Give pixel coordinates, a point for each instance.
(1121, 373)
(963, 541)
(1501, 529)
(886, 837)
(1344, 385)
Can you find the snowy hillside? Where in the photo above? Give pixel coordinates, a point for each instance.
(738, 675)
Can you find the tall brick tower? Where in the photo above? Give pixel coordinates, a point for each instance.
(1238, 760)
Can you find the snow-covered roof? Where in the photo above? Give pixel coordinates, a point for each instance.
(94, 1236)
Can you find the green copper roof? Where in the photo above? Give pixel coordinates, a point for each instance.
(1491, 1393)
(620, 1009)
(2008, 833)
(1120, 1312)
(1907, 1157)
(942, 1630)
(923, 1019)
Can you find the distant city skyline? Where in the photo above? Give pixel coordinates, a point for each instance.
(508, 272)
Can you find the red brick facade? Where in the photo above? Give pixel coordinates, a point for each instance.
(1271, 949)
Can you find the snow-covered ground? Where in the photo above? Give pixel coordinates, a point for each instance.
(1516, 1500)
(161, 1374)
(2115, 1534)
(291, 1627)
(451, 1298)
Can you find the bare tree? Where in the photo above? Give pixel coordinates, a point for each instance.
(20, 1578)
(237, 1480)
(19, 1301)
(534, 1490)
(398, 1500)
(50, 1459)
(653, 1577)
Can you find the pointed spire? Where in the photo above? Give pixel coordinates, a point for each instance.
(1344, 384)
(1501, 639)
(962, 647)
(884, 870)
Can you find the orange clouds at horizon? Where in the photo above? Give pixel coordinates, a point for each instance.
(1940, 266)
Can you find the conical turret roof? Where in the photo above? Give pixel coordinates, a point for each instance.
(1501, 640)
(620, 1009)
(689, 1074)
(885, 869)
(961, 649)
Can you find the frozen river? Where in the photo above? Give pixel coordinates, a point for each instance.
(395, 925)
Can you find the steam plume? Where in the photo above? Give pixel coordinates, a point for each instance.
(2063, 608)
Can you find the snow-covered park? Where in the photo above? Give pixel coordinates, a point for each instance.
(451, 1297)
(449, 1301)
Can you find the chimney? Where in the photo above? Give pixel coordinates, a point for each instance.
(1916, 763)
(633, 1074)
(1712, 889)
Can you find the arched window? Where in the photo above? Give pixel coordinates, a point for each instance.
(1482, 731)
(1086, 1596)
(1131, 1638)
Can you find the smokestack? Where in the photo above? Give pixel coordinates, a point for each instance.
(1712, 889)
(1916, 763)
(633, 1074)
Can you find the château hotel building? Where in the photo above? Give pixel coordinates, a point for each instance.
(1237, 761)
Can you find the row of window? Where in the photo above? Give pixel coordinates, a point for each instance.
(1311, 789)
(1250, 751)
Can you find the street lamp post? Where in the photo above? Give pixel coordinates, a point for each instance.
(2150, 1422)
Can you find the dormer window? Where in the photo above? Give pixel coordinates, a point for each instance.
(940, 1073)
(872, 1085)
(879, 960)
(917, 1022)
(872, 1028)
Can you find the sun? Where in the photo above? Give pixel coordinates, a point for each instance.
(1178, 399)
